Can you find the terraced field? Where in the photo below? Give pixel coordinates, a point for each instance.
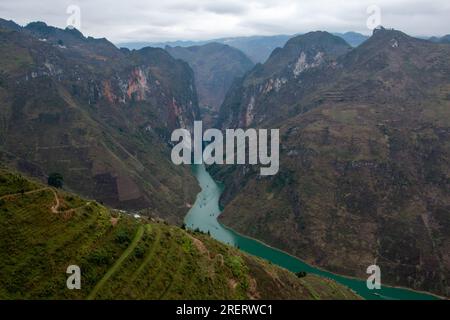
(43, 231)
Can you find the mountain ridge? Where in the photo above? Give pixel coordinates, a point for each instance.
(363, 155)
(258, 48)
(100, 116)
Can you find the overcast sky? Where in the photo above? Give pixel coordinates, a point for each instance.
(161, 20)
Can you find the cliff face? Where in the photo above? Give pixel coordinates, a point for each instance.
(100, 116)
(266, 92)
(364, 165)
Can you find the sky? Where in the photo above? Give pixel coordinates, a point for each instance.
(168, 20)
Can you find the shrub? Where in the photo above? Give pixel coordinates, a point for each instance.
(55, 180)
(123, 237)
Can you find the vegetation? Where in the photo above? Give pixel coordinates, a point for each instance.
(55, 180)
(125, 258)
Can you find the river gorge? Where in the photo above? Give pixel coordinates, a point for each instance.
(203, 216)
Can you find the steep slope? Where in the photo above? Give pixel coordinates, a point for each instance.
(364, 175)
(100, 116)
(43, 231)
(270, 90)
(215, 66)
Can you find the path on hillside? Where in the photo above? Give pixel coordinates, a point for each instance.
(22, 193)
(150, 253)
(54, 208)
(118, 263)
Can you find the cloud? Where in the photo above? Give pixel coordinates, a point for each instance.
(156, 20)
(227, 7)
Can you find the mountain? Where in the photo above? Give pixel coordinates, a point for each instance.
(444, 39)
(215, 66)
(43, 231)
(289, 72)
(9, 25)
(100, 116)
(257, 48)
(364, 163)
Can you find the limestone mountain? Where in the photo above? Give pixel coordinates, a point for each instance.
(364, 166)
(100, 116)
(269, 89)
(216, 67)
(44, 231)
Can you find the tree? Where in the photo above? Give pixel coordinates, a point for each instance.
(301, 274)
(55, 180)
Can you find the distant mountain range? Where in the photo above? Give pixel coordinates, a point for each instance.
(215, 67)
(257, 48)
(444, 39)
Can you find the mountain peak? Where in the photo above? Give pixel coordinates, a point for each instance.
(312, 47)
(9, 25)
(383, 33)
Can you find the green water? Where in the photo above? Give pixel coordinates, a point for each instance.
(203, 215)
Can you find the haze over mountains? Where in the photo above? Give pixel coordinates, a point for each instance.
(257, 48)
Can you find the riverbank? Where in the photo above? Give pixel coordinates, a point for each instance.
(325, 271)
(204, 216)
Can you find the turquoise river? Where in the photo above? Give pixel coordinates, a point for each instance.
(204, 213)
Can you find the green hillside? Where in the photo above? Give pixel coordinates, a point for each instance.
(43, 231)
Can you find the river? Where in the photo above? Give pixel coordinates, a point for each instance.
(203, 215)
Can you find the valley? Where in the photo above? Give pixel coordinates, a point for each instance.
(361, 177)
(204, 216)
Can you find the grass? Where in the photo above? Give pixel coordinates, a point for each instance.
(124, 258)
(118, 263)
